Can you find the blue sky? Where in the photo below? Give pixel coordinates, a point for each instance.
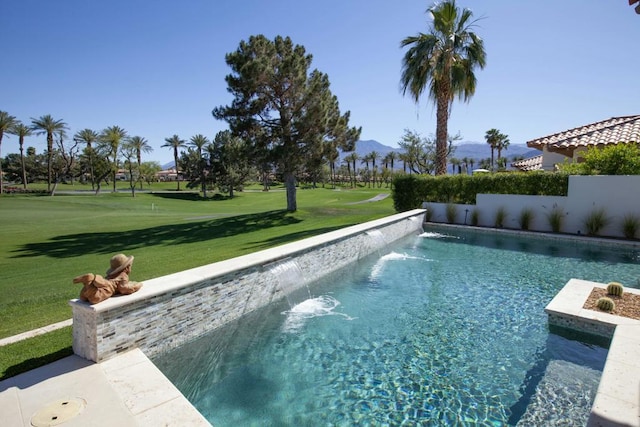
(156, 68)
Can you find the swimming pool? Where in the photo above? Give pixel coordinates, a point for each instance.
(438, 330)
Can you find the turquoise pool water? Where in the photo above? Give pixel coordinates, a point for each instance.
(438, 330)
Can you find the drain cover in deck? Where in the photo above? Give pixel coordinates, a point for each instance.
(58, 412)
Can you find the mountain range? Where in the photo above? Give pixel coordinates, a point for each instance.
(469, 149)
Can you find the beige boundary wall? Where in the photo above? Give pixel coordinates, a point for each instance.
(171, 310)
(618, 195)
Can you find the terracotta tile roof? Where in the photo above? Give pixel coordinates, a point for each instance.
(530, 164)
(612, 131)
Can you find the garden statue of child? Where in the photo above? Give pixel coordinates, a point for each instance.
(97, 288)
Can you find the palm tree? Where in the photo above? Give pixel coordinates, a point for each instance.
(139, 145)
(492, 136)
(50, 126)
(199, 141)
(6, 124)
(175, 142)
(88, 137)
(351, 159)
(365, 161)
(21, 130)
(444, 60)
(456, 164)
(373, 156)
(502, 144)
(332, 157)
(110, 139)
(390, 158)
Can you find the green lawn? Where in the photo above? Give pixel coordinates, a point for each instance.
(46, 241)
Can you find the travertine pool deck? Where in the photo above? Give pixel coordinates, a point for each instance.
(617, 401)
(127, 390)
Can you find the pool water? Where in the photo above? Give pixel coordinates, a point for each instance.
(437, 330)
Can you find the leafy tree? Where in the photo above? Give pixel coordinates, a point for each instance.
(420, 152)
(110, 140)
(88, 137)
(20, 130)
(175, 143)
(281, 108)
(7, 122)
(34, 165)
(230, 162)
(148, 171)
(130, 153)
(444, 60)
(139, 145)
(617, 159)
(50, 126)
(66, 159)
(199, 141)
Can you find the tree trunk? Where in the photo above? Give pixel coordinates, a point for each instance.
(290, 184)
(442, 116)
(49, 160)
(22, 165)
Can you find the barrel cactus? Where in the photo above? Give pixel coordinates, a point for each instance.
(615, 288)
(606, 304)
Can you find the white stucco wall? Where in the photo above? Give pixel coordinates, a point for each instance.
(617, 195)
(550, 160)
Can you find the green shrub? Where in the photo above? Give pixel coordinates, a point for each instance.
(606, 304)
(617, 159)
(595, 221)
(615, 288)
(501, 215)
(556, 218)
(451, 212)
(475, 217)
(526, 216)
(630, 226)
(409, 191)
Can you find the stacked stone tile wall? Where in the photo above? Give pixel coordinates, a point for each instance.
(171, 310)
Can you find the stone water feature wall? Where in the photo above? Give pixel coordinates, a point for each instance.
(171, 310)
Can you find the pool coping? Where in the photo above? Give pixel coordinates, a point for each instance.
(617, 401)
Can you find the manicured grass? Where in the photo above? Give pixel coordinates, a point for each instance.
(46, 241)
(34, 352)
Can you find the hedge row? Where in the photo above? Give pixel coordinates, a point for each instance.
(409, 191)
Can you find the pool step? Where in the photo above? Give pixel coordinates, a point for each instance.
(562, 397)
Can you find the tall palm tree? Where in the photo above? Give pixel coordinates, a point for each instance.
(444, 61)
(364, 160)
(88, 137)
(373, 156)
(492, 137)
(503, 144)
(198, 142)
(110, 140)
(175, 142)
(7, 122)
(390, 158)
(139, 145)
(21, 130)
(351, 159)
(50, 126)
